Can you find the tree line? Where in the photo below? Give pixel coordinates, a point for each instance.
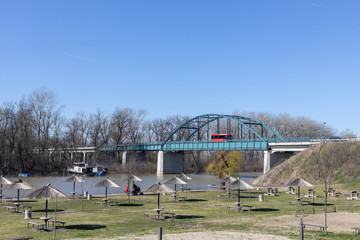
(34, 124)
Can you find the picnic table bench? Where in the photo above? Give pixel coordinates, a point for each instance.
(299, 202)
(10, 208)
(321, 227)
(155, 215)
(57, 224)
(305, 202)
(169, 214)
(99, 203)
(234, 207)
(18, 238)
(39, 225)
(247, 206)
(113, 203)
(181, 198)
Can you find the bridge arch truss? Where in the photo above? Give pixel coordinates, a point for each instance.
(195, 134)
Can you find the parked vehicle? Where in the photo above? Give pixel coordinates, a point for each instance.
(221, 138)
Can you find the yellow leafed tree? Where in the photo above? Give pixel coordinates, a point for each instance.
(225, 163)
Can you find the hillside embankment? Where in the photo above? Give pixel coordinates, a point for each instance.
(338, 162)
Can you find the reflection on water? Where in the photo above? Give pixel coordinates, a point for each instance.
(199, 181)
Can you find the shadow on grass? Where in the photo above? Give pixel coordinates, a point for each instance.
(188, 216)
(130, 204)
(27, 201)
(86, 226)
(195, 200)
(321, 204)
(49, 210)
(265, 210)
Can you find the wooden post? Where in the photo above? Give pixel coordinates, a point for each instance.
(160, 233)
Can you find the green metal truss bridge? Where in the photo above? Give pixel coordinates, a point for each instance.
(195, 134)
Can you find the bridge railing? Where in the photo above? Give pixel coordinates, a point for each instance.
(235, 144)
(247, 144)
(312, 139)
(292, 139)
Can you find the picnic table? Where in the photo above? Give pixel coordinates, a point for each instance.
(321, 227)
(331, 191)
(46, 219)
(17, 206)
(270, 192)
(22, 208)
(155, 215)
(357, 229)
(239, 208)
(310, 193)
(291, 190)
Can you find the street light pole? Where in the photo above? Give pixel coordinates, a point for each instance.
(322, 134)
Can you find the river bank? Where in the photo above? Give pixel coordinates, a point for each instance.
(198, 181)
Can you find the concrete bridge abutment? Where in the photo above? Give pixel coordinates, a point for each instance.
(170, 162)
(271, 159)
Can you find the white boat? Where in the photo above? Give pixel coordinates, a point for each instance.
(80, 168)
(83, 168)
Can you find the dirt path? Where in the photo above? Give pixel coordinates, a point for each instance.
(216, 235)
(336, 221)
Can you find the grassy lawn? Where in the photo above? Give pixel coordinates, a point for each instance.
(202, 211)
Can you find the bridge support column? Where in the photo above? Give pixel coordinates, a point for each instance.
(124, 158)
(266, 161)
(170, 162)
(84, 156)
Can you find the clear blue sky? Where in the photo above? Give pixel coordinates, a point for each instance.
(187, 57)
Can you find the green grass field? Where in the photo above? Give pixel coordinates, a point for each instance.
(202, 211)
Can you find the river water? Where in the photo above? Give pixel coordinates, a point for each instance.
(199, 181)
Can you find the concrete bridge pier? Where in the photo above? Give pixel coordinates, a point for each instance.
(129, 157)
(124, 158)
(170, 162)
(271, 159)
(84, 156)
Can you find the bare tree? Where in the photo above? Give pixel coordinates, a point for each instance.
(45, 114)
(348, 133)
(98, 128)
(118, 125)
(134, 132)
(327, 163)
